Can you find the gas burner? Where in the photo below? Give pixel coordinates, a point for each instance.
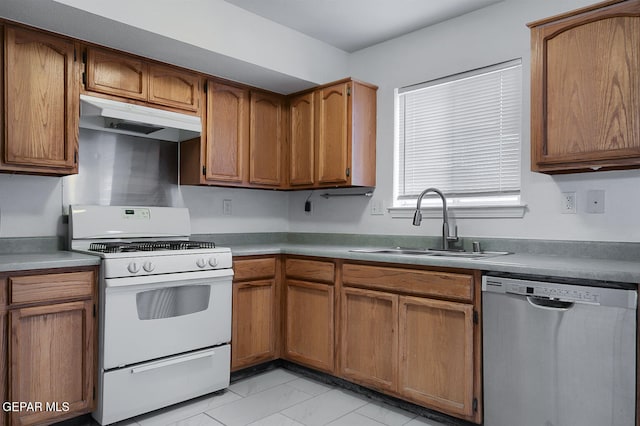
(190, 245)
(135, 246)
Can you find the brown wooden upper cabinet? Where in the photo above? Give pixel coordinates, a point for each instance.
(266, 142)
(39, 137)
(116, 74)
(243, 143)
(585, 101)
(219, 156)
(302, 134)
(333, 136)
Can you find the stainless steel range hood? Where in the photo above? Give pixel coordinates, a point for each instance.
(135, 120)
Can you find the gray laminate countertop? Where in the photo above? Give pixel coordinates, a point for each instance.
(45, 260)
(519, 263)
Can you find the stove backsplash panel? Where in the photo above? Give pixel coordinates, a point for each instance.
(121, 170)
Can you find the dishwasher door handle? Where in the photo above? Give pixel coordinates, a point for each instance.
(552, 305)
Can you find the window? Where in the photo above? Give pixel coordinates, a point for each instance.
(461, 134)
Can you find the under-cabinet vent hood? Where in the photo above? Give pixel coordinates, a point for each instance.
(135, 120)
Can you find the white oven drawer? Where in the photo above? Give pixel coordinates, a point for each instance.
(131, 391)
(154, 320)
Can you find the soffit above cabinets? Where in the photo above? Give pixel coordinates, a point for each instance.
(284, 46)
(351, 25)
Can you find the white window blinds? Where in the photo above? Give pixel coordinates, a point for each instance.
(461, 134)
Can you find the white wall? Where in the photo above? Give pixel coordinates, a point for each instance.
(491, 35)
(211, 36)
(31, 205)
(251, 210)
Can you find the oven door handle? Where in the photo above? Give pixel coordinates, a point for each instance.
(173, 361)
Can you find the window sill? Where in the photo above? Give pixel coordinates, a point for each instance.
(462, 212)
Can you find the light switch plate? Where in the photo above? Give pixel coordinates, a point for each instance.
(377, 207)
(226, 207)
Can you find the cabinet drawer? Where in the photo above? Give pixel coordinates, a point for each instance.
(50, 287)
(424, 283)
(250, 269)
(311, 270)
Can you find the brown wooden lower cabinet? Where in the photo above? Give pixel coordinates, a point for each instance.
(310, 312)
(410, 332)
(51, 344)
(255, 314)
(51, 358)
(309, 324)
(436, 354)
(369, 338)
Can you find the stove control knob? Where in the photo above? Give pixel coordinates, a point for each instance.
(133, 267)
(213, 262)
(148, 266)
(201, 263)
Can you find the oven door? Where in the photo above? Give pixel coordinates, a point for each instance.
(155, 316)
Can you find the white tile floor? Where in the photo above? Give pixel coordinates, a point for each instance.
(280, 398)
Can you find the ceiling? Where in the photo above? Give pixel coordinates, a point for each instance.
(352, 25)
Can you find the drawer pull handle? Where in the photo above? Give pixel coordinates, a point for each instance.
(169, 362)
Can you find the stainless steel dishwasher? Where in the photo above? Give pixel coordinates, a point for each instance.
(558, 352)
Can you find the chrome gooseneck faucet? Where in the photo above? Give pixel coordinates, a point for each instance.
(417, 218)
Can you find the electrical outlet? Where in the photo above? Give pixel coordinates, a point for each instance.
(226, 207)
(568, 203)
(377, 207)
(595, 201)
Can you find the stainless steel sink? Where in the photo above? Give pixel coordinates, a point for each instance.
(396, 250)
(433, 252)
(468, 254)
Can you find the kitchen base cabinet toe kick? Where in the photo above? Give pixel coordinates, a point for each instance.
(412, 333)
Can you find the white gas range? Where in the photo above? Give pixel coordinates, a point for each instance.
(165, 307)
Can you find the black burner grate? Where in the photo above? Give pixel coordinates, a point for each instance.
(134, 246)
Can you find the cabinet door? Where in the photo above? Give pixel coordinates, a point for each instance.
(332, 140)
(227, 125)
(174, 88)
(265, 144)
(116, 74)
(310, 324)
(3, 349)
(41, 103)
(301, 155)
(254, 333)
(585, 91)
(369, 338)
(436, 354)
(52, 360)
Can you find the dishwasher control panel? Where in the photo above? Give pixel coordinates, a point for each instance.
(573, 293)
(554, 292)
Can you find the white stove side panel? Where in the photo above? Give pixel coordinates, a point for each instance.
(93, 222)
